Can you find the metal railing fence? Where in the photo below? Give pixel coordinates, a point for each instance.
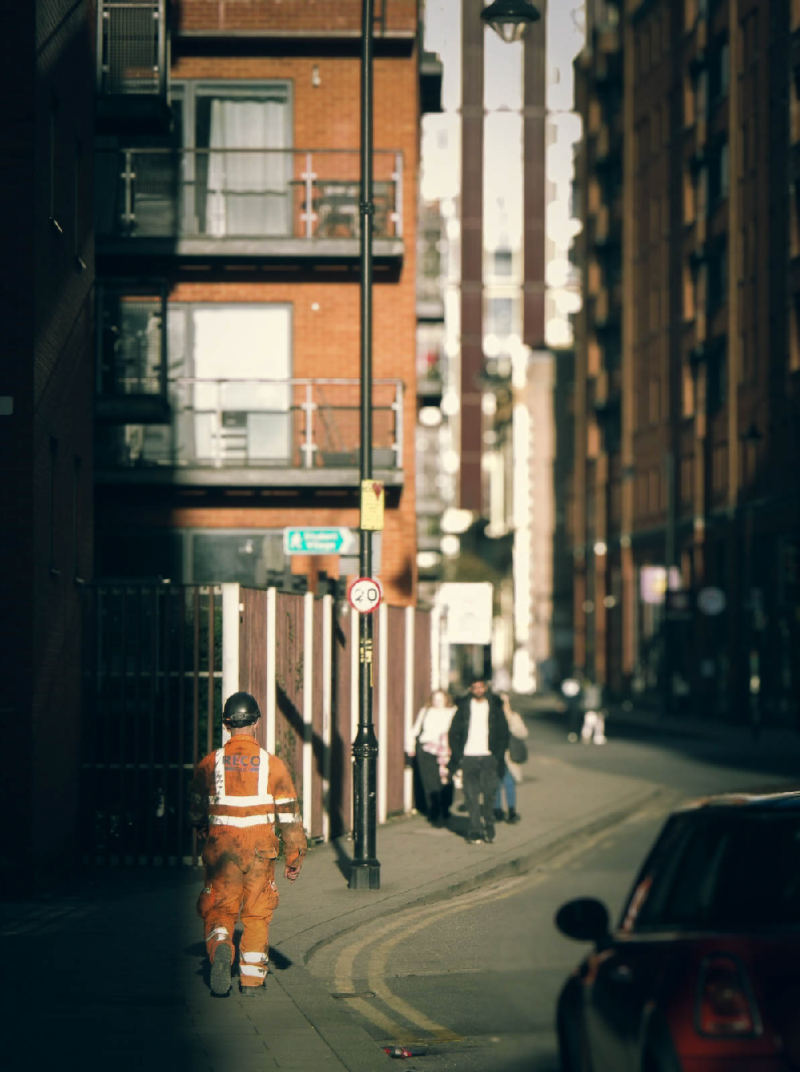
(295, 422)
(131, 48)
(254, 193)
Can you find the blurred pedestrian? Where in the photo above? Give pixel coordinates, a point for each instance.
(478, 738)
(571, 689)
(429, 744)
(516, 755)
(594, 717)
(241, 796)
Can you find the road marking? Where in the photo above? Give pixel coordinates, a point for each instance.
(412, 920)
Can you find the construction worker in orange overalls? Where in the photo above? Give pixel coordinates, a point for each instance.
(243, 795)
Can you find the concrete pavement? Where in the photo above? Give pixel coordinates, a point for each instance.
(113, 974)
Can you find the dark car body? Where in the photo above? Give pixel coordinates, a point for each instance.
(702, 973)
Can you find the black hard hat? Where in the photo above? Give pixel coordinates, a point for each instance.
(241, 709)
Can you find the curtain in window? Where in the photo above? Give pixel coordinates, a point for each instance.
(247, 192)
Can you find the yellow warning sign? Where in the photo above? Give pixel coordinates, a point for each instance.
(372, 502)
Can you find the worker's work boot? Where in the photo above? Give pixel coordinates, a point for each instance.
(221, 971)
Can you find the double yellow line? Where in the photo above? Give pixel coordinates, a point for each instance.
(384, 937)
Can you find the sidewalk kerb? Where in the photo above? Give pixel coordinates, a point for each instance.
(518, 863)
(357, 1050)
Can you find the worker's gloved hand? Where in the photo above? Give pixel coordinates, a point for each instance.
(291, 872)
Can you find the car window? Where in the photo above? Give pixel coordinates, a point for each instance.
(725, 870)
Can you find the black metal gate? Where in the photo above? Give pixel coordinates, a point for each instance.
(151, 701)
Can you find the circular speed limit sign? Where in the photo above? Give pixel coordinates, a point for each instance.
(364, 595)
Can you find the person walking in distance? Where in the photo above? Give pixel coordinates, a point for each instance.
(515, 756)
(478, 741)
(594, 719)
(429, 745)
(242, 796)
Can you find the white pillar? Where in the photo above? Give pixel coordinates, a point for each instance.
(269, 714)
(327, 708)
(308, 707)
(383, 711)
(230, 646)
(408, 709)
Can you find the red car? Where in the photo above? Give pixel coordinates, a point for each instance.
(703, 972)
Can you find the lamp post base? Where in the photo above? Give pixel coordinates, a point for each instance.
(365, 875)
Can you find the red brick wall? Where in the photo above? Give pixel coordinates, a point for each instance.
(326, 339)
(291, 16)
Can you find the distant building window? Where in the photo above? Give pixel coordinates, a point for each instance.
(718, 174)
(716, 383)
(250, 558)
(500, 316)
(502, 262)
(717, 278)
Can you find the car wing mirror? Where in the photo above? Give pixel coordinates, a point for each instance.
(584, 919)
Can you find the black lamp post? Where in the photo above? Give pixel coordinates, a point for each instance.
(510, 18)
(365, 872)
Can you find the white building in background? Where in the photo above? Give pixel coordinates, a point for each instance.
(518, 464)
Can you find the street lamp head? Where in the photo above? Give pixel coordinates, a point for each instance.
(510, 18)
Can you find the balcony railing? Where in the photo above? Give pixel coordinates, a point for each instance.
(294, 424)
(243, 194)
(132, 48)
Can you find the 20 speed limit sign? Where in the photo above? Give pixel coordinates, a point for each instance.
(364, 595)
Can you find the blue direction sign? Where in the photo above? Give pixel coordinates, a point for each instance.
(319, 541)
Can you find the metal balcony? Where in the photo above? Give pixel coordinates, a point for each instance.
(255, 433)
(278, 204)
(133, 63)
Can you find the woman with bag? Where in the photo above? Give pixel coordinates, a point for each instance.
(429, 744)
(516, 755)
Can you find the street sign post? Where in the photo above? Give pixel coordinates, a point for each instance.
(320, 541)
(365, 595)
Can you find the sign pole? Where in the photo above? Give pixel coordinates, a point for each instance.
(365, 872)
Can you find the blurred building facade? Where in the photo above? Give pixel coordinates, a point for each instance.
(46, 377)
(228, 286)
(685, 514)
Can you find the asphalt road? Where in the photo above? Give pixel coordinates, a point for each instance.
(470, 985)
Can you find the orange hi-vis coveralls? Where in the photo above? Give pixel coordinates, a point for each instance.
(243, 793)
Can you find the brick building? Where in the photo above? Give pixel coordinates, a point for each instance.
(228, 248)
(46, 299)
(687, 392)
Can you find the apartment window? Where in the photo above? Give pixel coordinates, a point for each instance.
(701, 193)
(716, 382)
(718, 174)
(719, 65)
(654, 492)
(717, 278)
(655, 401)
(502, 262)
(701, 95)
(228, 192)
(500, 317)
(228, 390)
